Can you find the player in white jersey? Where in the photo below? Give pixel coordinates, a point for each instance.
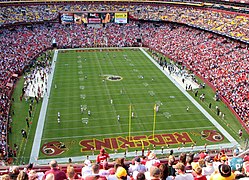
(81, 109)
(59, 117)
(187, 109)
(132, 115)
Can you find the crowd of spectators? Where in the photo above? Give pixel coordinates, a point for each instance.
(186, 166)
(14, 14)
(231, 24)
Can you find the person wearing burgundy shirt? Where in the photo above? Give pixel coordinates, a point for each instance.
(58, 174)
(102, 157)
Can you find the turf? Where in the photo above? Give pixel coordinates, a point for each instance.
(81, 78)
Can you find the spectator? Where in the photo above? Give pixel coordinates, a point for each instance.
(152, 161)
(5, 177)
(138, 166)
(171, 162)
(95, 174)
(224, 172)
(182, 158)
(33, 175)
(164, 172)
(189, 160)
(120, 162)
(199, 175)
(153, 173)
(14, 172)
(246, 165)
(140, 176)
(54, 169)
(105, 170)
(236, 163)
(121, 173)
(50, 176)
(181, 175)
(22, 175)
(208, 169)
(71, 174)
(197, 171)
(86, 169)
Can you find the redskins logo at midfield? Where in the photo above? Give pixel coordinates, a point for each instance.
(53, 148)
(212, 135)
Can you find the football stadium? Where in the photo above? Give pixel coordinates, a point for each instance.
(124, 89)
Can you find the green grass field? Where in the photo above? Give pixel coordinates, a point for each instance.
(107, 83)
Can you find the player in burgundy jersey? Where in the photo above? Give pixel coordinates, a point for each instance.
(102, 157)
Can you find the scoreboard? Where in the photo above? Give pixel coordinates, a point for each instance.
(93, 17)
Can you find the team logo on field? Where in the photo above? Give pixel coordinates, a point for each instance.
(110, 77)
(54, 148)
(212, 135)
(114, 78)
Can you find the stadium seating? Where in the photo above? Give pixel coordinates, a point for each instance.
(220, 61)
(229, 23)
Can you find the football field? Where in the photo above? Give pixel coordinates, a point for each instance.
(118, 99)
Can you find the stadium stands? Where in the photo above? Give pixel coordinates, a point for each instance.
(209, 163)
(228, 23)
(221, 62)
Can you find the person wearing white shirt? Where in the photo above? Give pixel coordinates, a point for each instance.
(87, 169)
(180, 171)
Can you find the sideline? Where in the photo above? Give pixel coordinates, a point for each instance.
(37, 140)
(211, 119)
(40, 125)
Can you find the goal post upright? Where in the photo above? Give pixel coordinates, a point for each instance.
(130, 123)
(154, 122)
(129, 135)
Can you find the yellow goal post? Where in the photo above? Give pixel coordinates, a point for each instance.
(130, 131)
